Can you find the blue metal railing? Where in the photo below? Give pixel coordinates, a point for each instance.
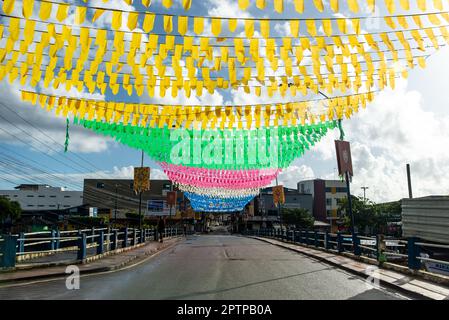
(78, 244)
(408, 252)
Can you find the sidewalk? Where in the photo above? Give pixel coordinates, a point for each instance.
(108, 263)
(403, 283)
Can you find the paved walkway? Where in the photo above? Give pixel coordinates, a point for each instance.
(107, 263)
(396, 280)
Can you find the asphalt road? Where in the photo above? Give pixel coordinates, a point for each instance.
(214, 267)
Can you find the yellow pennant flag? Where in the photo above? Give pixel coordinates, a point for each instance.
(97, 14)
(402, 20)
(146, 3)
(319, 5)
(334, 5)
(353, 6)
(311, 27)
(294, 28)
(389, 21)
(265, 28)
(148, 22)
(249, 28)
(61, 14)
(418, 21)
(8, 6)
(422, 5)
(80, 14)
(438, 4)
(279, 6)
(198, 25)
(391, 6)
(342, 25)
(27, 9)
(167, 3)
(116, 20)
(327, 27)
(422, 62)
(371, 5)
(132, 20)
(243, 4)
(45, 10)
(232, 25)
(356, 26)
(186, 4)
(216, 26)
(260, 4)
(405, 4)
(168, 24)
(299, 6)
(182, 25)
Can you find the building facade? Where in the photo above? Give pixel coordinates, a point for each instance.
(327, 197)
(40, 197)
(117, 196)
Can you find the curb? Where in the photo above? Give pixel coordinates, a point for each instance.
(361, 274)
(116, 267)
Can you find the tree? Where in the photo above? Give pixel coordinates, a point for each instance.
(9, 210)
(300, 218)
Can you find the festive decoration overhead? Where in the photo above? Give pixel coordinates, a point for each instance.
(218, 155)
(204, 117)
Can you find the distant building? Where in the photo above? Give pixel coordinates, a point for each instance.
(41, 197)
(266, 213)
(327, 197)
(110, 194)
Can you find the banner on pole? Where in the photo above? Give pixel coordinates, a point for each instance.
(141, 179)
(278, 195)
(344, 159)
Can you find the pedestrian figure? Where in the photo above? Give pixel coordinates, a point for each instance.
(185, 229)
(161, 228)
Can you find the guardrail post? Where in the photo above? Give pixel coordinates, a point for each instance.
(114, 240)
(92, 232)
(135, 237)
(125, 238)
(82, 243)
(58, 239)
(316, 239)
(100, 242)
(339, 242)
(142, 235)
(326, 241)
(356, 244)
(21, 242)
(8, 248)
(52, 241)
(413, 252)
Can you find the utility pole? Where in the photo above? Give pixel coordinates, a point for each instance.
(364, 193)
(279, 207)
(409, 180)
(116, 204)
(140, 199)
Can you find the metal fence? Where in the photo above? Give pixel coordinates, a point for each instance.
(404, 252)
(55, 246)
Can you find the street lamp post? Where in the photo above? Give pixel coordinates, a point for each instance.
(116, 204)
(364, 193)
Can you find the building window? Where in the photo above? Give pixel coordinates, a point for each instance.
(66, 196)
(41, 205)
(66, 206)
(52, 196)
(41, 196)
(131, 185)
(100, 185)
(30, 196)
(52, 206)
(30, 205)
(328, 202)
(15, 196)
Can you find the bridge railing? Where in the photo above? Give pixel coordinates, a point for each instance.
(403, 252)
(77, 245)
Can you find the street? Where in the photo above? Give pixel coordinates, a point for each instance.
(214, 267)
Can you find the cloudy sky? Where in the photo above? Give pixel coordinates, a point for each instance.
(407, 125)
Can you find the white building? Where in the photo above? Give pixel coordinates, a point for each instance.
(327, 196)
(37, 197)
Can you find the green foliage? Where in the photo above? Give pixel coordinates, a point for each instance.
(9, 209)
(300, 218)
(369, 217)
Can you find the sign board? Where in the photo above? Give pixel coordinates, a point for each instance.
(278, 195)
(157, 208)
(141, 179)
(344, 159)
(171, 198)
(93, 212)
